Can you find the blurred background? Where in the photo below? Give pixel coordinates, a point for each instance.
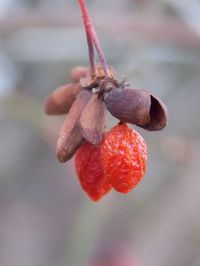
(45, 217)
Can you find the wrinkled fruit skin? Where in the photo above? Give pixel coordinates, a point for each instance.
(119, 162)
(123, 157)
(89, 171)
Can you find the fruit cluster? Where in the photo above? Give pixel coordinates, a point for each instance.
(118, 162)
(104, 160)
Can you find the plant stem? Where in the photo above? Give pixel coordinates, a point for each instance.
(92, 39)
(91, 55)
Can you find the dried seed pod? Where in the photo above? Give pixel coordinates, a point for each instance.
(158, 115)
(129, 105)
(61, 100)
(78, 72)
(86, 80)
(70, 137)
(137, 107)
(92, 120)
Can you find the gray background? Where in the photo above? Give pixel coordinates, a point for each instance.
(45, 217)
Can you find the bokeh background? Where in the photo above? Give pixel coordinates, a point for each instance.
(45, 217)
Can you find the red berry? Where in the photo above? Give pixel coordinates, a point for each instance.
(123, 157)
(89, 171)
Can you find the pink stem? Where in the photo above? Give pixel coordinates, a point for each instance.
(91, 55)
(92, 37)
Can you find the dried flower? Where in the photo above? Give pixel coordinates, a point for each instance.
(87, 109)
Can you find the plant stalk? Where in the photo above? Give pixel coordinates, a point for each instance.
(92, 39)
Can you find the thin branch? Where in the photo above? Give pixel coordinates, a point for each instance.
(171, 31)
(92, 36)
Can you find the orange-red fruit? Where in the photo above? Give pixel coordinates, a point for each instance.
(123, 157)
(89, 171)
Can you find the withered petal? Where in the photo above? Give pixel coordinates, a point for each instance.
(129, 105)
(158, 115)
(78, 72)
(86, 80)
(61, 100)
(92, 120)
(70, 137)
(138, 107)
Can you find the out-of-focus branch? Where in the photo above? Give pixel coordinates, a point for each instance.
(170, 31)
(31, 19)
(166, 30)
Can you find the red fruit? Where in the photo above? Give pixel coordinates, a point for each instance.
(123, 157)
(89, 171)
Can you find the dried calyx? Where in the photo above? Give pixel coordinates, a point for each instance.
(86, 102)
(138, 107)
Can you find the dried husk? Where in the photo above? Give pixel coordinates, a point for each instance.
(138, 107)
(61, 100)
(93, 120)
(78, 72)
(70, 137)
(86, 80)
(129, 105)
(158, 115)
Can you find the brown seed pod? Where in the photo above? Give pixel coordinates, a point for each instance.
(61, 100)
(158, 115)
(86, 80)
(129, 105)
(92, 120)
(70, 137)
(137, 107)
(78, 72)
